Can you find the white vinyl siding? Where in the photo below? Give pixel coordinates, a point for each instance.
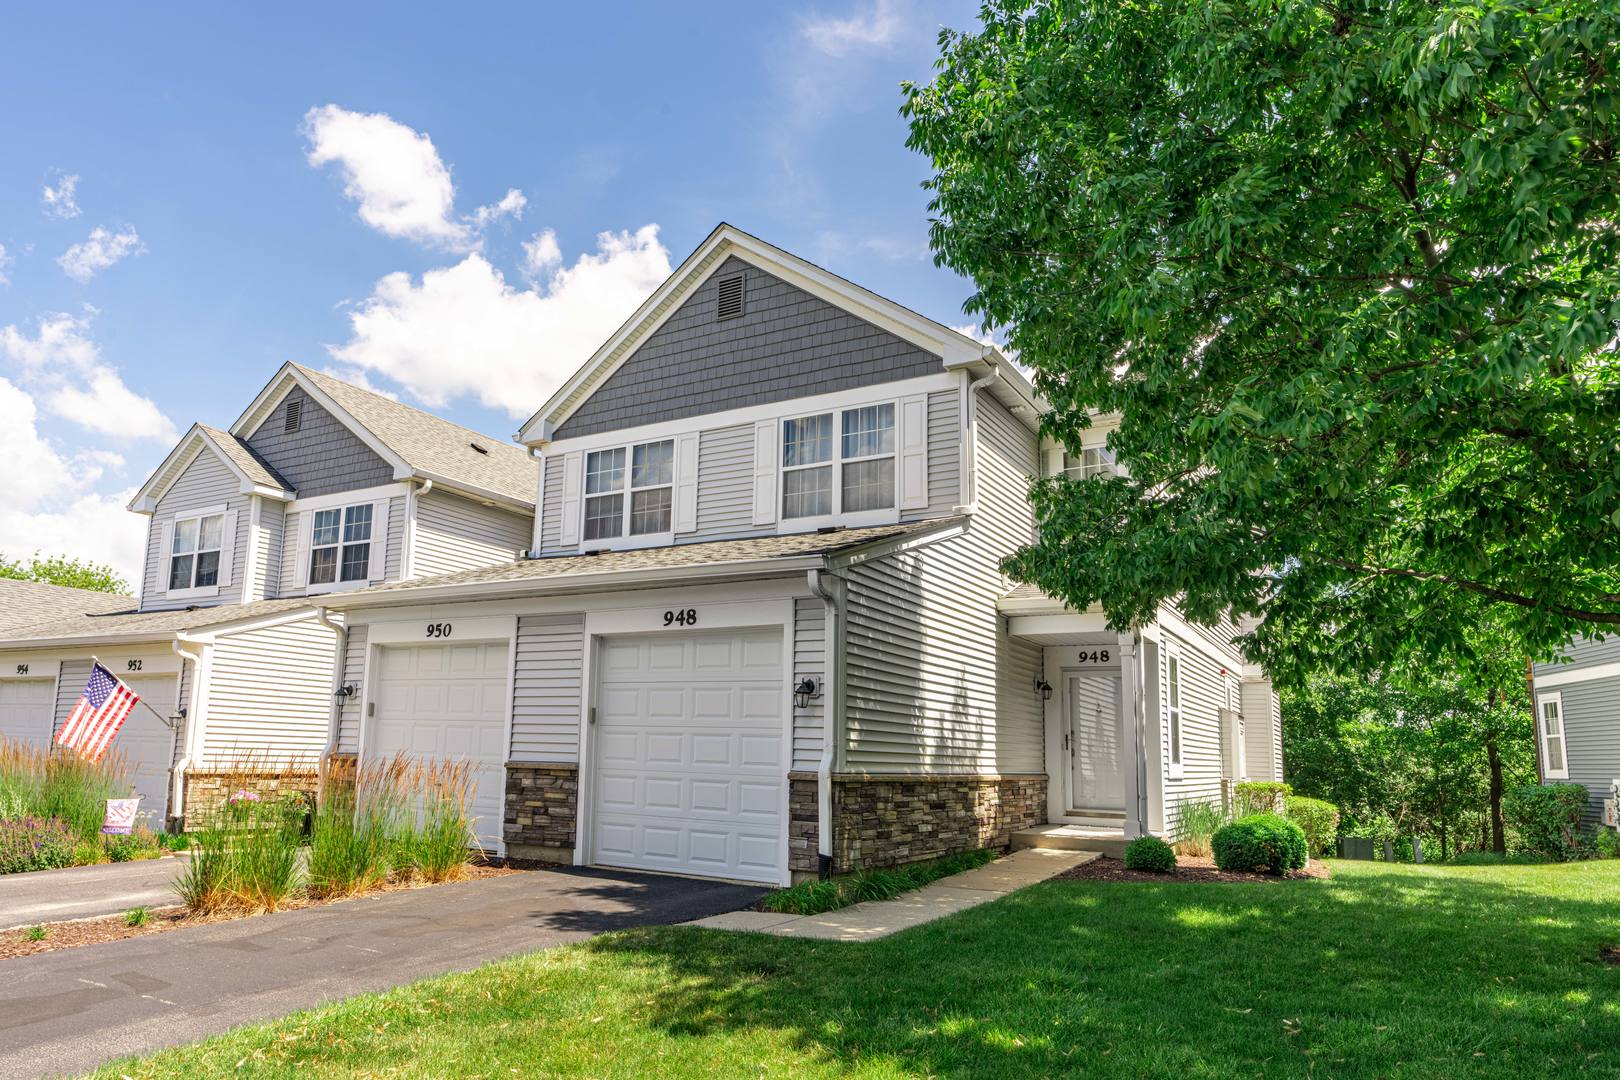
(547, 688)
(269, 695)
(932, 680)
(944, 456)
(1203, 695)
(70, 684)
(1262, 730)
(453, 534)
(266, 584)
(205, 484)
(809, 662)
(354, 674)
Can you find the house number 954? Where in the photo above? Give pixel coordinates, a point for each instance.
(438, 629)
(684, 617)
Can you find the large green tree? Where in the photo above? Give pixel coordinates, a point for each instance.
(1347, 272)
(64, 570)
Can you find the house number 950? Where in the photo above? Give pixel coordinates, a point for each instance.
(684, 617)
(438, 629)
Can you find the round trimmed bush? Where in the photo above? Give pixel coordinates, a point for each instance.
(1151, 854)
(1264, 843)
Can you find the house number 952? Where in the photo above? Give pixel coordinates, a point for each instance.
(685, 617)
(438, 629)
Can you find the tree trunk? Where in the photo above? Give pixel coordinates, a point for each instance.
(1492, 755)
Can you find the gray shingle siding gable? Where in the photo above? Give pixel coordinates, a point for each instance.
(787, 344)
(323, 456)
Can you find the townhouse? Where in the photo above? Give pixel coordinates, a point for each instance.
(762, 631)
(1577, 702)
(319, 488)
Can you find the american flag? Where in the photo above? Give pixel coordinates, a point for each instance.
(101, 711)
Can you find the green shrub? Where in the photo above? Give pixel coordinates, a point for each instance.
(815, 897)
(1266, 843)
(1196, 823)
(1547, 819)
(33, 843)
(1258, 797)
(1319, 820)
(1151, 854)
(1607, 844)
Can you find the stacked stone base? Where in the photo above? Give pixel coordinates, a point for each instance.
(889, 820)
(542, 809)
(206, 792)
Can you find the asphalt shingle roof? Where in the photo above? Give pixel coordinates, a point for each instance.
(241, 454)
(26, 602)
(97, 626)
(434, 445)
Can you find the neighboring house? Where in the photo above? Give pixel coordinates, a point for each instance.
(1578, 723)
(319, 488)
(763, 631)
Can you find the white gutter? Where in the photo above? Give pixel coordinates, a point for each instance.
(825, 586)
(335, 716)
(177, 775)
(412, 494)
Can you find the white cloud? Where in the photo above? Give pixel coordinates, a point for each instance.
(46, 499)
(541, 255)
(61, 201)
(5, 261)
(63, 362)
(81, 262)
(396, 175)
(463, 330)
(878, 24)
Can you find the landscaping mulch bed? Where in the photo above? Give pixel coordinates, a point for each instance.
(70, 935)
(1189, 868)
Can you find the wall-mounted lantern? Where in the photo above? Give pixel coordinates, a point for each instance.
(1043, 688)
(347, 690)
(806, 691)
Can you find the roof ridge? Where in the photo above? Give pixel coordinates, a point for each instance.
(320, 376)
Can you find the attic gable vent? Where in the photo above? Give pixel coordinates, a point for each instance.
(295, 415)
(729, 300)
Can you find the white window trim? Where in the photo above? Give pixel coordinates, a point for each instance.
(307, 526)
(624, 541)
(1175, 733)
(167, 567)
(884, 516)
(1557, 699)
(348, 498)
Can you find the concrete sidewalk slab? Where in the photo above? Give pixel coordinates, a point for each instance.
(87, 892)
(875, 919)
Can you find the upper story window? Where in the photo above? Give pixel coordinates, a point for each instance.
(634, 501)
(853, 472)
(340, 546)
(1091, 461)
(194, 553)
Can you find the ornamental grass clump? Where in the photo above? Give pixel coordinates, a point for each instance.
(1195, 825)
(444, 838)
(350, 844)
(263, 868)
(52, 782)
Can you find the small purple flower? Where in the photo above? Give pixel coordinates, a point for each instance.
(243, 796)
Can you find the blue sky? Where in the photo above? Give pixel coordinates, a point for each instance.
(454, 209)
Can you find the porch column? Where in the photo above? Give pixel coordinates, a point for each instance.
(1130, 706)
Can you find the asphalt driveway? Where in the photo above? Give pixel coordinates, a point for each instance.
(85, 892)
(66, 1012)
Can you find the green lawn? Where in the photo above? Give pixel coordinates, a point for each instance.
(1385, 971)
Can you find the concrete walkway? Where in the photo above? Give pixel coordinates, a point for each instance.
(64, 1013)
(879, 918)
(86, 892)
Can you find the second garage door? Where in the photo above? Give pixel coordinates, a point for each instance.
(147, 743)
(448, 703)
(691, 755)
(26, 708)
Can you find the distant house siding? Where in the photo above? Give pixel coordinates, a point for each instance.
(206, 483)
(1591, 708)
(323, 456)
(787, 344)
(453, 534)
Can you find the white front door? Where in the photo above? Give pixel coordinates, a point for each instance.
(26, 708)
(690, 755)
(147, 742)
(448, 703)
(1096, 743)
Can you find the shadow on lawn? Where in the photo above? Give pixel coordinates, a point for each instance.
(1375, 974)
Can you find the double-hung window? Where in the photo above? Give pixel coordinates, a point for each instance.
(629, 491)
(340, 547)
(1554, 760)
(1172, 686)
(194, 552)
(838, 463)
(1091, 461)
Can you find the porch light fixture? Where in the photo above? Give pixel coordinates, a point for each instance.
(347, 690)
(1044, 688)
(806, 690)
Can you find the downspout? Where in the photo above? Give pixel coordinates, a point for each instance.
(1139, 676)
(340, 660)
(177, 775)
(970, 469)
(407, 558)
(824, 585)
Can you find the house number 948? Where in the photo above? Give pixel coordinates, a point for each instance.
(684, 617)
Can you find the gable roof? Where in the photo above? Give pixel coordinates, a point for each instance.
(23, 603)
(125, 623)
(253, 474)
(958, 350)
(415, 443)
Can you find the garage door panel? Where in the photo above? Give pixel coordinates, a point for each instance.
(27, 710)
(690, 754)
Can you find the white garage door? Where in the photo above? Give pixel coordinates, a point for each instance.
(448, 703)
(690, 754)
(26, 708)
(147, 743)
